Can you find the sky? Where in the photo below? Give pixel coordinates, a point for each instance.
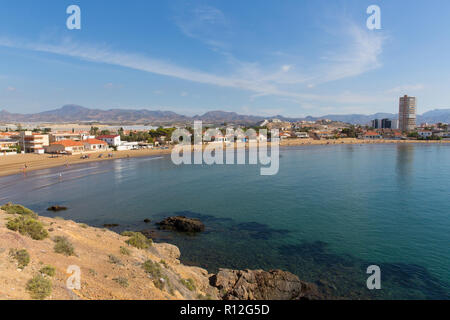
(288, 57)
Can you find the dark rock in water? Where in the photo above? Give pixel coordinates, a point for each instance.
(110, 225)
(182, 224)
(150, 234)
(56, 208)
(147, 220)
(263, 285)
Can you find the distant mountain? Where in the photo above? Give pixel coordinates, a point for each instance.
(74, 113)
(354, 118)
(229, 117)
(71, 113)
(435, 116)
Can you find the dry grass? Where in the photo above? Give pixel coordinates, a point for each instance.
(28, 226)
(137, 240)
(21, 256)
(63, 246)
(39, 287)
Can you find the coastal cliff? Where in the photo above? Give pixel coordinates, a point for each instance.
(38, 255)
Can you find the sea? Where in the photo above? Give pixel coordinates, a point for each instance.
(330, 212)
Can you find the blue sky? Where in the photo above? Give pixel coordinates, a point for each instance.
(289, 57)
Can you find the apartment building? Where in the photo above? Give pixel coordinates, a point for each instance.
(32, 142)
(407, 113)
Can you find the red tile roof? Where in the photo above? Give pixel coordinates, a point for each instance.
(68, 143)
(95, 141)
(371, 133)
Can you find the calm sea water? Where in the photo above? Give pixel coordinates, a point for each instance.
(329, 213)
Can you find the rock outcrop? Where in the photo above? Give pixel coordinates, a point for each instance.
(182, 224)
(112, 267)
(56, 208)
(263, 285)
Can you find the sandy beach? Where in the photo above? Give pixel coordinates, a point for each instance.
(14, 164)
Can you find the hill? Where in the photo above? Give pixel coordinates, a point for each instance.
(75, 113)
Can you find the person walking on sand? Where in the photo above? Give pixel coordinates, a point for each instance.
(25, 169)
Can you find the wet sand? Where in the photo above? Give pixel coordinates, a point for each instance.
(14, 164)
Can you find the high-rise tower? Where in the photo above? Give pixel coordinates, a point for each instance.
(407, 113)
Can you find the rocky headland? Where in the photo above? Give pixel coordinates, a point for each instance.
(38, 255)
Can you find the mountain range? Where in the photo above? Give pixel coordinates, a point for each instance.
(75, 113)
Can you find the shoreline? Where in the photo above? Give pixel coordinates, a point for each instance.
(14, 164)
(113, 267)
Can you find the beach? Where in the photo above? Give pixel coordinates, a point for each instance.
(14, 164)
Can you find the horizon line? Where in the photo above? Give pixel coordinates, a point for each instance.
(215, 110)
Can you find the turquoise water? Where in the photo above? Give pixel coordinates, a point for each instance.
(329, 213)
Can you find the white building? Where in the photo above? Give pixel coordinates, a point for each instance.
(372, 135)
(302, 135)
(394, 124)
(33, 142)
(59, 136)
(95, 145)
(128, 146)
(264, 123)
(65, 146)
(112, 140)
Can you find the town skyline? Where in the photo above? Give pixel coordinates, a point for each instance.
(83, 114)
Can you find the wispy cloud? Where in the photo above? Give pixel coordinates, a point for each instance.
(362, 55)
(11, 89)
(143, 63)
(406, 88)
(203, 23)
